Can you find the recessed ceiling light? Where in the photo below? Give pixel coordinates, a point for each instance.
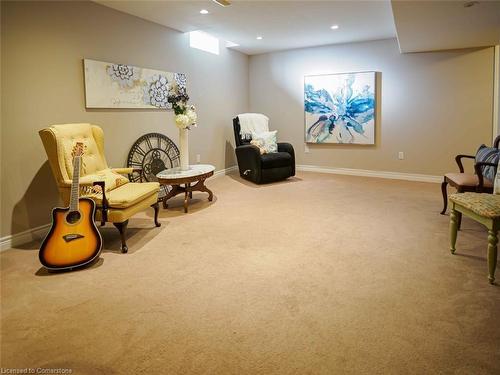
(204, 11)
(334, 27)
(259, 38)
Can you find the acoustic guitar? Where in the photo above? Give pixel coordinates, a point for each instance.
(73, 239)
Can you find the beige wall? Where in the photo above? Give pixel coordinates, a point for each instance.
(43, 44)
(431, 106)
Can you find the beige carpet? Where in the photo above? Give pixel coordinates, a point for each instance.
(322, 274)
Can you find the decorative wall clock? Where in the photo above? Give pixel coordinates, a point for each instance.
(153, 153)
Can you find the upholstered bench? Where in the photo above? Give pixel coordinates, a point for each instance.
(485, 209)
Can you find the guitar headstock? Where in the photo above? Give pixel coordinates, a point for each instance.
(77, 149)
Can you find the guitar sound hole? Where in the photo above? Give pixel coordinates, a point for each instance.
(73, 217)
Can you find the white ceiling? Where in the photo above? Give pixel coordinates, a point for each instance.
(282, 24)
(440, 25)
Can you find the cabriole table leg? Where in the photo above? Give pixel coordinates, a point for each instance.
(187, 194)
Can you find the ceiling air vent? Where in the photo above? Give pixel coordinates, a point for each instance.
(223, 3)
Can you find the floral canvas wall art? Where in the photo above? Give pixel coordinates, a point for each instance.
(340, 108)
(109, 85)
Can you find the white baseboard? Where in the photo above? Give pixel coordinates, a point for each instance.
(223, 172)
(354, 172)
(370, 173)
(29, 235)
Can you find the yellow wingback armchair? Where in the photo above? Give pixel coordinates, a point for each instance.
(116, 198)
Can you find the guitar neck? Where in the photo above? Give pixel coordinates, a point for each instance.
(73, 203)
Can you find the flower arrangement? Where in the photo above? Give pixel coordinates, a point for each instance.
(185, 115)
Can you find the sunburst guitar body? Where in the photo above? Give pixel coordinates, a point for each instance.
(73, 240)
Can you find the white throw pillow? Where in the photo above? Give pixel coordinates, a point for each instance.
(265, 141)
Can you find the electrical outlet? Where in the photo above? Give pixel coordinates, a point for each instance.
(306, 148)
(401, 155)
(198, 158)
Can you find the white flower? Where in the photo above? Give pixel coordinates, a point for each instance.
(192, 116)
(156, 93)
(182, 121)
(180, 79)
(125, 75)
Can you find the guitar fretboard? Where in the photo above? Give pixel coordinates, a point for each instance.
(73, 203)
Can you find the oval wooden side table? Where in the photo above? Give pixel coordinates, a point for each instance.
(197, 173)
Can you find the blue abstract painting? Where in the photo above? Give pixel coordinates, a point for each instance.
(340, 108)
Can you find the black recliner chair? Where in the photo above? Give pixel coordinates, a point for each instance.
(263, 168)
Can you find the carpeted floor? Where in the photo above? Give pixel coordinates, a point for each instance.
(321, 274)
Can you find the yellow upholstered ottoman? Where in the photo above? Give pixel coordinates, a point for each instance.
(485, 209)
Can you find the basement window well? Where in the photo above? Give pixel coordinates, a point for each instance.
(204, 41)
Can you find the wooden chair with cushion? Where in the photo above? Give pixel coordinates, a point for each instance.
(485, 209)
(117, 198)
(468, 182)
